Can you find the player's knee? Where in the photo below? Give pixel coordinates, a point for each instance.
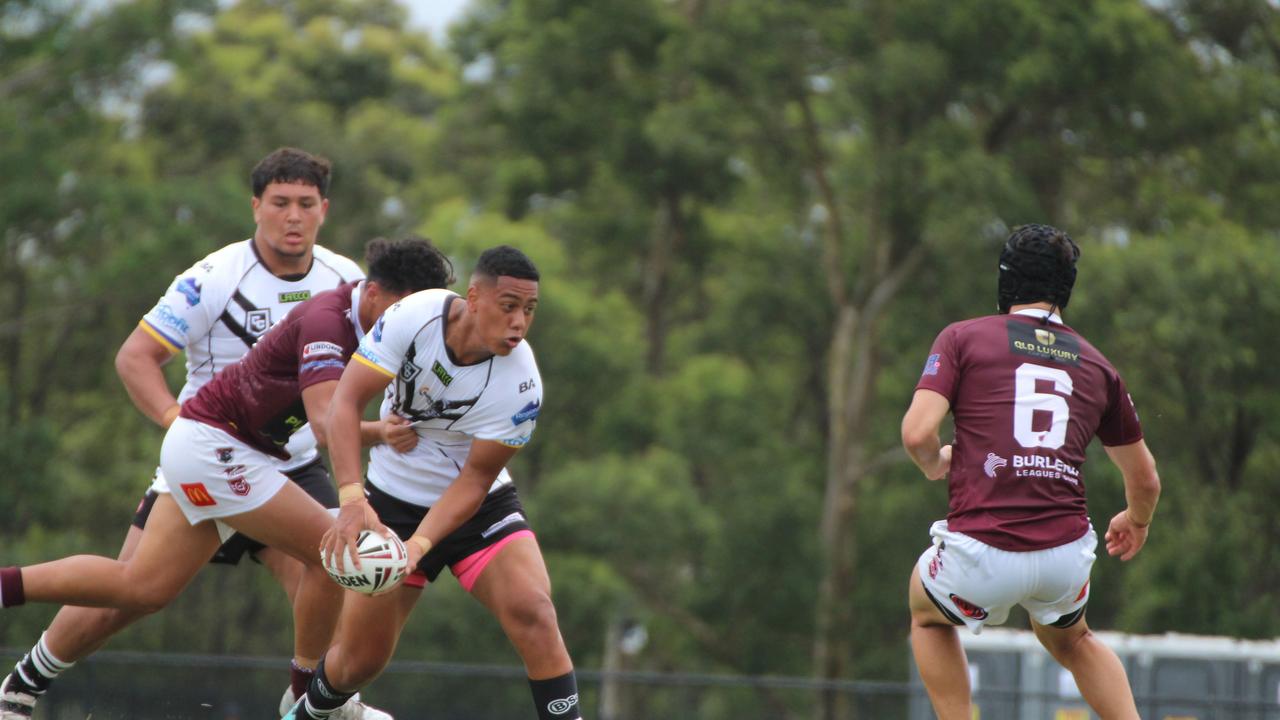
(531, 613)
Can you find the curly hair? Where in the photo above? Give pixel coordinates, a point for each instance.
(291, 165)
(407, 265)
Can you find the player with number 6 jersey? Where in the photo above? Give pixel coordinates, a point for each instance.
(1028, 394)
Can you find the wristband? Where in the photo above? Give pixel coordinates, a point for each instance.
(170, 414)
(350, 493)
(1137, 524)
(421, 542)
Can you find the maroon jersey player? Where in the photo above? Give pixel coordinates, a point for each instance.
(1028, 394)
(221, 458)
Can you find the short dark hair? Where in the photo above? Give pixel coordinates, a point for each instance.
(407, 265)
(505, 260)
(1037, 264)
(291, 165)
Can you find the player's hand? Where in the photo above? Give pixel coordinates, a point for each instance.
(943, 464)
(398, 433)
(342, 535)
(1124, 538)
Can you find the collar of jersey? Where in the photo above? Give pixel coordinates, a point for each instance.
(1040, 314)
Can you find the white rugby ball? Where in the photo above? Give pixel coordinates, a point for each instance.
(384, 562)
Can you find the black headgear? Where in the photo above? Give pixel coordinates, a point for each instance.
(1037, 264)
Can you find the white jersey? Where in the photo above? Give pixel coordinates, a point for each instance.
(449, 404)
(217, 310)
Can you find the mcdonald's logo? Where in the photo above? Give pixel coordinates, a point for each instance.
(198, 494)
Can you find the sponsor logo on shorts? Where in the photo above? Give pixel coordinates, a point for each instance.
(258, 321)
(295, 296)
(198, 494)
(514, 517)
(310, 350)
(190, 290)
(561, 706)
(233, 470)
(932, 364)
(239, 486)
(994, 462)
(1084, 590)
(438, 370)
(935, 564)
(527, 413)
(225, 454)
(968, 609)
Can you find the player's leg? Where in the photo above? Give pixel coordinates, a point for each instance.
(939, 655)
(1098, 671)
(168, 556)
(368, 632)
(292, 522)
(515, 587)
(75, 633)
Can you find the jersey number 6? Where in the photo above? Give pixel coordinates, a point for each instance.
(1027, 401)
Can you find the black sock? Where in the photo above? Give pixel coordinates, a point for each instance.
(36, 671)
(557, 697)
(322, 698)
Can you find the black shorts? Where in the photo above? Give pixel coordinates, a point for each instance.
(313, 478)
(499, 516)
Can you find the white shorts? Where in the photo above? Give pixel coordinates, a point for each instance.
(211, 474)
(979, 584)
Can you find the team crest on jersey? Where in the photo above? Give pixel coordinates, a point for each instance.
(239, 485)
(994, 462)
(527, 413)
(409, 371)
(257, 321)
(225, 454)
(190, 290)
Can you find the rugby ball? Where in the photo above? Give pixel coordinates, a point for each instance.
(384, 562)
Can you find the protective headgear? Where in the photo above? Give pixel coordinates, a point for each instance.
(1037, 264)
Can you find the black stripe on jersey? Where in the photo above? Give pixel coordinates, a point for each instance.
(488, 376)
(237, 329)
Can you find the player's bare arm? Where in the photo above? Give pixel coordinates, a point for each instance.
(359, 384)
(1127, 532)
(394, 431)
(920, 434)
(463, 497)
(139, 364)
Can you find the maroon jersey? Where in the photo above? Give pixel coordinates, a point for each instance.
(259, 398)
(1027, 396)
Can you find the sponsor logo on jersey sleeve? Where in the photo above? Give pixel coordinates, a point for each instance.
(295, 296)
(198, 494)
(170, 319)
(528, 385)
(932, 365)
(190, 290)
(377, 327)
(315, 365)
(527, 413)
(516, 442)
(315, 349)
